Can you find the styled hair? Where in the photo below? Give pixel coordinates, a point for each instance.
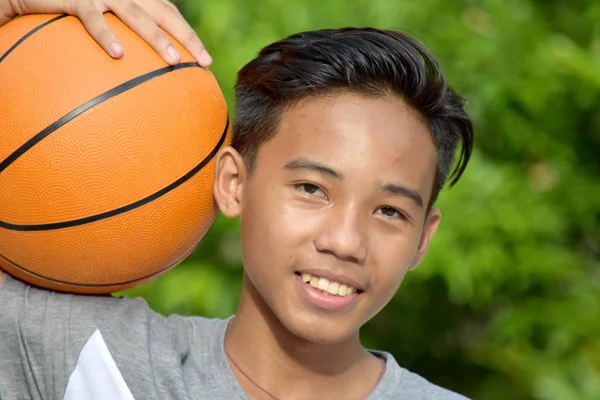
(365, 61)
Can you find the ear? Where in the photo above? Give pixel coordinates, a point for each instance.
(432, 221)
(230, 175)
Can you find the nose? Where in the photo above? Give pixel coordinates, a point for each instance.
(343, 234)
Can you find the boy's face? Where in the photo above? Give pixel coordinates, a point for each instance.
(340, 192)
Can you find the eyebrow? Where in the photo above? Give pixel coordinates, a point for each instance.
(398, 190)
(304, 163)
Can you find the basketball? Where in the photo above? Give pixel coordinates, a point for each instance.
(106, 166)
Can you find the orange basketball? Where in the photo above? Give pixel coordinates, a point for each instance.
(106, 166)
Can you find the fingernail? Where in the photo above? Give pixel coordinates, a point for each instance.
(116, 50)
(173, 54)
(205, 57)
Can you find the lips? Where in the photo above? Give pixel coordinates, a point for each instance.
(327, 290)
(331, 277)
(327, 287)
(323, 300)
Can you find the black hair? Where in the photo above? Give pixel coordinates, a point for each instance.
(367, 61)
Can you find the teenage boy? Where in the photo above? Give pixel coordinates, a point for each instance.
(342, 142)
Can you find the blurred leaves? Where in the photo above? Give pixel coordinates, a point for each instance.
(507, 303)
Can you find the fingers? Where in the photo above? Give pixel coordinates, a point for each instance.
(6, 13)
(145, 17)
(167, 16)
(96, 25)
(140, 22)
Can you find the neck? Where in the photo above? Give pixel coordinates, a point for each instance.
(282, 362)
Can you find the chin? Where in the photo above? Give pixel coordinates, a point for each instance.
(318, 329)
(307, 323)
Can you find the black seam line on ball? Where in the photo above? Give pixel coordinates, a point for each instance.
(129, 207)
(89, 284)
(86, 106)
(28, 34)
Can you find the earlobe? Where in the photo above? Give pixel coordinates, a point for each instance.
(432, 221)
(230, 174)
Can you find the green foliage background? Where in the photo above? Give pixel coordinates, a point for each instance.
(507, 303)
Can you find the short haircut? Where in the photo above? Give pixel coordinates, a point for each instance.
(366, 61)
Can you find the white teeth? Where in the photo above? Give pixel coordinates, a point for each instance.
(333, 288)
(323, 283)
(343, 290)
(326, 287)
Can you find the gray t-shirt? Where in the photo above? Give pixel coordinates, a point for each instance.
(45, 338)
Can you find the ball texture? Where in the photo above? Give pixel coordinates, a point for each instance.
(106, 166)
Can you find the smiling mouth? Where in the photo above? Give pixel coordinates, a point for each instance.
(328, 287)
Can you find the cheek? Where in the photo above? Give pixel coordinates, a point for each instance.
(391, 260)
(393, 257)
(272, 230)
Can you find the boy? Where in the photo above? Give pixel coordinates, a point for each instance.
(342, 141)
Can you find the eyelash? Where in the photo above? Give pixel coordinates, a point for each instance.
(400, 214)
(302, 187)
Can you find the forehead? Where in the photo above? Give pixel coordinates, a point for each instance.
(364, 138)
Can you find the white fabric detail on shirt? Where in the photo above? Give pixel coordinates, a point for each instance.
(96, 376)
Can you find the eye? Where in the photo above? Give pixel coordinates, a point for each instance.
(309, 189)
(391, 212)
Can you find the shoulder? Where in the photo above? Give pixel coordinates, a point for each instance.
(189, 332)
(45, 335)
(404, 384)
(123, 315)
(421, 388)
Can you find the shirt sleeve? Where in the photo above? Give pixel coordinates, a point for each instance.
(43, 333)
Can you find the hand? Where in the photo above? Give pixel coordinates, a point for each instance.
(143, 16)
